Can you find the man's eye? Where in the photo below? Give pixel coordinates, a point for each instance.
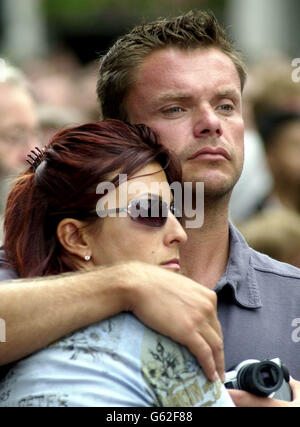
(226, 107)
(171, 110)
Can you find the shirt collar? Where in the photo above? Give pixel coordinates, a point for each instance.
(239, 274)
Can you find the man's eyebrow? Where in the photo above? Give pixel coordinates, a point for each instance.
(172, 96)
(228, 93)
(187, 96)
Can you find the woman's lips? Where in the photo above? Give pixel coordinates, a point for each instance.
(173, 264)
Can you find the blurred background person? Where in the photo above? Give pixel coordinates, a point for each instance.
(271, 96)
(276, 234)
(280, 131)
(65, 91)
(53, 117)
(273, 225)
(32, 110)
(19, 129)
(256, 179)
(18, 119)
(275, 228)
(276, 110)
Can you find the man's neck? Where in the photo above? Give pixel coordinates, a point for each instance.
(205, 255)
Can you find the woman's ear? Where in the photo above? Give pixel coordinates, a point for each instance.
(72, 235)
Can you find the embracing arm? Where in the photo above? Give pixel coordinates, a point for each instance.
(39, 311)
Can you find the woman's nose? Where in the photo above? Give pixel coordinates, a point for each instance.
(174, 232)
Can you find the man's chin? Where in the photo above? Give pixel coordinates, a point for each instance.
(214, 189)
(215, 194)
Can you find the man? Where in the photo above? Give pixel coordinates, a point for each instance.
(183, 78)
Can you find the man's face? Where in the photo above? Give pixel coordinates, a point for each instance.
(18, 128)
(192, 100)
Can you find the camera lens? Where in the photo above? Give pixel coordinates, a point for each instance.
(262, 378)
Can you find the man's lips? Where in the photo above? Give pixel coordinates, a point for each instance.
(211, 153)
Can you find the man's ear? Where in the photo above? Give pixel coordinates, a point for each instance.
(72, 235)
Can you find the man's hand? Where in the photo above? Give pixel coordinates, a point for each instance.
(243, 398)
(181, 309)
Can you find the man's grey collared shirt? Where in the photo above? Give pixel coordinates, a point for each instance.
(259, 307)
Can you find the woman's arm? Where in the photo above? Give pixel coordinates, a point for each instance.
(39, 311)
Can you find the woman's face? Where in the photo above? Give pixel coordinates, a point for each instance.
(120, 239)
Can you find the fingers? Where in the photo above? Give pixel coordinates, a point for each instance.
(200, 331)
(209, 329)
(295, 386)
(244, 399)
(218, 353)
(208, 350)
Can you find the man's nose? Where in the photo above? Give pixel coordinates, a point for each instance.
(207, 123)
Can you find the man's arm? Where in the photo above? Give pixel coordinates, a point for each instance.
(39, 311)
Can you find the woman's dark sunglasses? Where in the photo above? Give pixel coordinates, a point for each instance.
(151, 212)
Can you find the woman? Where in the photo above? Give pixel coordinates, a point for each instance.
(74, 210)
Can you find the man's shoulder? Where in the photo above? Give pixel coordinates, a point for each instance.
(248, 264)
(265, 264)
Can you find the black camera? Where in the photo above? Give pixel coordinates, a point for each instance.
(268, 378)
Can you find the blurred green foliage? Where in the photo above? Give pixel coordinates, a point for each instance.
(83, 12)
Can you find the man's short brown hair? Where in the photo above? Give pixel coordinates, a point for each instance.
(189, 31)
